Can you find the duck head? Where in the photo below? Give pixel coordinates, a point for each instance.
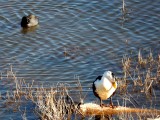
(29, 21)
(109, 75)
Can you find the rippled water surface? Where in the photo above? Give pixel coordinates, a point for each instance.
(80, 37)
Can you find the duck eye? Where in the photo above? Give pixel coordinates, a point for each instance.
(113, 74)
(28, 20)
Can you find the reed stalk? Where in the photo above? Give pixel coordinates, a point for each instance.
(57, 103)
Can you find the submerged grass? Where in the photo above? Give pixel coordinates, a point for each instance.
(56, 103)
(53, 103)
(143, 72)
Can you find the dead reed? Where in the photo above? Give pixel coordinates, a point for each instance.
(143, 72)
(57, 103)
(51, 103)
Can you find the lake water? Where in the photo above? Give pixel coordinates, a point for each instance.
(74, 38)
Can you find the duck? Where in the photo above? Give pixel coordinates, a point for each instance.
(104, 87)
(29, 21)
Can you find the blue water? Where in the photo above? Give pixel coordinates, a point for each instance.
(95, 34)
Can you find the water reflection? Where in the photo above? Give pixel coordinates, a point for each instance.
(30, 29)
(82, 38)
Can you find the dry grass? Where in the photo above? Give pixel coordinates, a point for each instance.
(123, 6)
(56, 102)
(143, 72)
(51, 103)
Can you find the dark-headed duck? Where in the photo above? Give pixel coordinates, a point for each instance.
(29, 21)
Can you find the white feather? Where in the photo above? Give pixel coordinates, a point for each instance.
(104, 86)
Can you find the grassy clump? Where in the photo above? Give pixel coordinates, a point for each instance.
(142, 74)
(51, 103)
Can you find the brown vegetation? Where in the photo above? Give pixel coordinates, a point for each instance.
(57, 103)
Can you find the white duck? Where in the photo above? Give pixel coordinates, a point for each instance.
(104, 87)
